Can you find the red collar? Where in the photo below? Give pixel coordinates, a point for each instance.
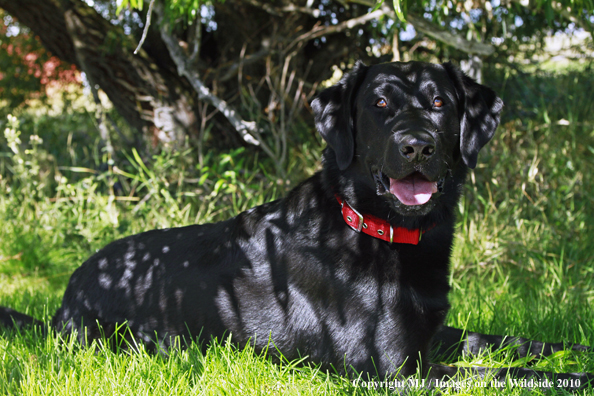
(377, 227)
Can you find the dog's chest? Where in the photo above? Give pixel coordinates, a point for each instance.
(341, 298)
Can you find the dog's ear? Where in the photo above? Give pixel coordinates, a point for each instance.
(480, 108)
(333, 115)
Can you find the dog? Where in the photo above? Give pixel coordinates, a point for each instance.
(350, 268)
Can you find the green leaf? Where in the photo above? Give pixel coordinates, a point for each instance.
(120, 5)
(226, 158)
(139, 161)
(203, 179)
(378, 4)
(546, 117)
(134, 4)
(218, 185)
(400, 10)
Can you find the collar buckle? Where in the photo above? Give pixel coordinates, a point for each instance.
(359, 224)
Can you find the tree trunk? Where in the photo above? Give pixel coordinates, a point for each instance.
(150, 98)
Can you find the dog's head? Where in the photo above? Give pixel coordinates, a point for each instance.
(404, 128)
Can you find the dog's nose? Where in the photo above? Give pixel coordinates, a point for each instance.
(417, 147)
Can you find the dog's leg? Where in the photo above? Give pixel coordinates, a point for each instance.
(450, 341)
(441, 376)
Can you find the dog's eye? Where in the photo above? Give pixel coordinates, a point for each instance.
(381, 103)
(437, 102)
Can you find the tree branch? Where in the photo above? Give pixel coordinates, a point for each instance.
(147, 24)
(286, 9)
(438, 33)
(471, 47)
(248, 60)
(247, 130)
(321, 30)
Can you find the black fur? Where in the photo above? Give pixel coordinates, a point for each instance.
(292, 270)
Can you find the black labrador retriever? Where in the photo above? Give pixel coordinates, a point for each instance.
(350, 268)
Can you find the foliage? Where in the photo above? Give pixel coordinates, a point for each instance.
(515, 27)
(85, 203)
(580, 8)
(526, 220)
(27, 69)
(188, 10)
(512, 22)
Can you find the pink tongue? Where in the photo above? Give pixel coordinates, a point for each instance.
(413, 189)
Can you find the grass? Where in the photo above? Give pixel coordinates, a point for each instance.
(522, 262)
(55, 367)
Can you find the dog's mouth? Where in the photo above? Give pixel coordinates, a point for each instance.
(412, 190)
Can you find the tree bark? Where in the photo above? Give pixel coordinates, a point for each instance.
(46, 20)
(150, 98)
